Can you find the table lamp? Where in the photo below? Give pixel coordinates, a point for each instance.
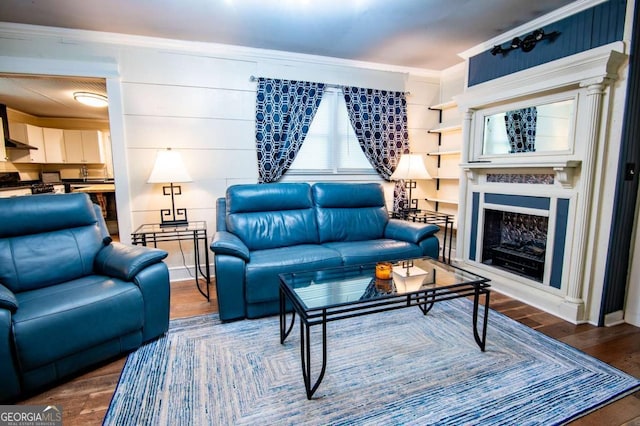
(409, 168)
(170, 169)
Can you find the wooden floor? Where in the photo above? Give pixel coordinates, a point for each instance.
(86, 398)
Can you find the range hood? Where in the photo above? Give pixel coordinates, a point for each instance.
(8, 142)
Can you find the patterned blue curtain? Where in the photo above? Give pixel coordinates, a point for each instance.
(521, 129)
(284, 110)
(379, 119)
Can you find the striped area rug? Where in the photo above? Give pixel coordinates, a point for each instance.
(396, 367)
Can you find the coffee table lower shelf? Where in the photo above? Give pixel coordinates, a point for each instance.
(423, 298)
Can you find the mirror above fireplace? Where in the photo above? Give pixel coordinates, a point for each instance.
(530, 130)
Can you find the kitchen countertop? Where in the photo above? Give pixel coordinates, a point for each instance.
(93, 188)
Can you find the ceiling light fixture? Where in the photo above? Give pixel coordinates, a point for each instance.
(526, 44)
(91, 99)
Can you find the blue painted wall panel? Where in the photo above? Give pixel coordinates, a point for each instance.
(600, 25)
(475, 205)
(557, 264)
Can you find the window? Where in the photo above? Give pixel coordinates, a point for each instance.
(331, 145)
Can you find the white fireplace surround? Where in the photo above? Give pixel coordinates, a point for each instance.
(589, 78)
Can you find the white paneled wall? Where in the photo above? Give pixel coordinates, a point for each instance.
(195, 98)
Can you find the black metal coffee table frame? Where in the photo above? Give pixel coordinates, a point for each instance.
(424, 298)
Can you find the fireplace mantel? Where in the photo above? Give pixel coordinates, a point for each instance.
(563, 170)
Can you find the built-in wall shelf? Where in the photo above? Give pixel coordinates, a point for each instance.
(447, 128)
(446, 156)
(437, 153)
(441, 200)
(443, 106)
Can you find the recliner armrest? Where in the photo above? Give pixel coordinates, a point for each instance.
(227, 243)
(125, 261)
(412, 232)
(8, 299)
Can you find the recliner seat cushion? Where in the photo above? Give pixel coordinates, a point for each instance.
(357, 252)
(54, 322)
(262, 281)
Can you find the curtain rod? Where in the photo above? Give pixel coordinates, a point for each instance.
(333, 86)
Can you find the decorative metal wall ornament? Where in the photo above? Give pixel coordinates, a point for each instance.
(527, 43)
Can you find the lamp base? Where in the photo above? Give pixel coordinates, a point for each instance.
(169, 223)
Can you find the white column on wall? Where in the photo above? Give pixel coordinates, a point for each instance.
(573, 300)
(461, 249)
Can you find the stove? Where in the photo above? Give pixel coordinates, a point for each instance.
(42, 188)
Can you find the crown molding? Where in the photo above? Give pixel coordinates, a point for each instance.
(185, 47)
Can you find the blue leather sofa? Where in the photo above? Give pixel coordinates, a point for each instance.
(263, 230)
(69, 297)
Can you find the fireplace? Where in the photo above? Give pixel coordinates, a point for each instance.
(515, 242)
(559, 259)
(521, 236)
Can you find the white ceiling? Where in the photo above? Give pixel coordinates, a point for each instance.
(410, 33)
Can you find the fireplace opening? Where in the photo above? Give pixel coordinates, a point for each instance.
(515, 242)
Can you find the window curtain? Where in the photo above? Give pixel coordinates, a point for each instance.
(521, 129)
(379, 119)
(284, 111)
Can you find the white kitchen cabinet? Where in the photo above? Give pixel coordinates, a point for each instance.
(31, 135)
(73, 146)
(83, 146)
(54, 145)
(92, 146)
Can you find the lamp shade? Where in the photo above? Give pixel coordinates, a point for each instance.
(169, 168)
(410, 167)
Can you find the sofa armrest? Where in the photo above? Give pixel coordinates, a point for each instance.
(8, 299)
(10, 385)
(125, 261)
(227, 243)
(153, 282)
(412, 232)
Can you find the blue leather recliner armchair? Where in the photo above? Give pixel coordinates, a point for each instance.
(69, 297)
(263, 230)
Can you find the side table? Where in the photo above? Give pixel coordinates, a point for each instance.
(196, 231)
(437, 218)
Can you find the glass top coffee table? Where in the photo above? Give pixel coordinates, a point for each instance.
(326, 295)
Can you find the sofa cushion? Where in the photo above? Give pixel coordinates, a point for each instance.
(57, 321)
(262, 281)
(356, 252)
(47, 239)
(45, 213)
(350, 212)
(40, 260)
(266, 216)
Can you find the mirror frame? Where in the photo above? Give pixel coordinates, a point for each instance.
(481, 115)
